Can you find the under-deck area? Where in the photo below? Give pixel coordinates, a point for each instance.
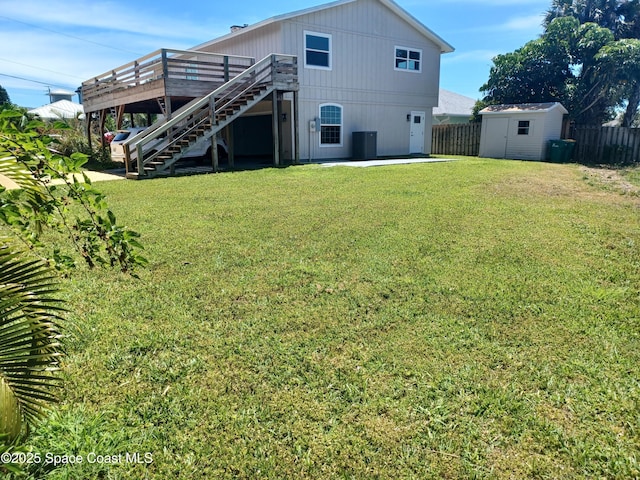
(200, 97)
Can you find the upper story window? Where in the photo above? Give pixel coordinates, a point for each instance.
(330, 125)
(317, 50)
(523, 127)
(408, 59)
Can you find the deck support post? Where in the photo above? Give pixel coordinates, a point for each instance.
(167, 107)
(296, 131)
(275, 112)
(119, 113)
(89, 117)
(140, 161)
(231, 147)
(214, 152)
(103, 119)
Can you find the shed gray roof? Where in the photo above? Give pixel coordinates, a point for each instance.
(523, 107)
(393, 6)
(450, 103)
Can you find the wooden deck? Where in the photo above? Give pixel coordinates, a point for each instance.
(199, 95)
(168, 75)
(154, 151)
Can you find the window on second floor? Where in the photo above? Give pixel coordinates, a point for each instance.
(408, 59)
(317, 50)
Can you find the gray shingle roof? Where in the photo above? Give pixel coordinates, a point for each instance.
(450, 103)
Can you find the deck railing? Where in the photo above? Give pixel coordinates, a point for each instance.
(213, 111)
(166, 64)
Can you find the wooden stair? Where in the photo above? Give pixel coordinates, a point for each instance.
(164, 143)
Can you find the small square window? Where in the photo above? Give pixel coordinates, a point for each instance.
(523, 127)
(408, 59)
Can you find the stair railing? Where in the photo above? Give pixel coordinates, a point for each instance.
(273, 69)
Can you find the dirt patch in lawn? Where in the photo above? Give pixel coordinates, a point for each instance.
(610, 180)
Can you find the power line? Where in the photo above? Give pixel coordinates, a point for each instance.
(34, 81)
(40, 68)
(70, 36)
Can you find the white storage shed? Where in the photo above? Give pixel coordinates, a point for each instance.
(520, 132)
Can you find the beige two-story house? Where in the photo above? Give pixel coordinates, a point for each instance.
(296, 87)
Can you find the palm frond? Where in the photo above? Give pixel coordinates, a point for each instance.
(15, 171)
(29, 339)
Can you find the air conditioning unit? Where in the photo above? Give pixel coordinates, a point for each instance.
(365, 145)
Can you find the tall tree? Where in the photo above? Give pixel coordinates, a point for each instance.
(606, 13)
(4, 96)
(561, 66)
(622, 65)
(622, 18)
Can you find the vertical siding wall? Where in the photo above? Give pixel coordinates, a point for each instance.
(374, 96)
(527, 147)
(257, 43)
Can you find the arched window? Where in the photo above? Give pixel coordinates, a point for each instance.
(330, 125)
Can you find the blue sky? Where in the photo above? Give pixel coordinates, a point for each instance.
(61, 43)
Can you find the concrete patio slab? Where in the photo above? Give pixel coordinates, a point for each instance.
(93, 176)
(382, 162)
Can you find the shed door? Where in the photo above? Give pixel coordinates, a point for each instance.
(416, 142)
(495, 137)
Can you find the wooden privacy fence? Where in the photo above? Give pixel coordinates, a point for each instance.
(461, 139)
(608, 145)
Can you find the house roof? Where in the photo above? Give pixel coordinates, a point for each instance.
(454, 104)
(393, 6)
(523, 107)
(58, 110)
(60, 91)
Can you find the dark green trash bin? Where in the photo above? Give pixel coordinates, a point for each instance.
(560, 151)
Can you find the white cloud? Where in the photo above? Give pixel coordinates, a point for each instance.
(54, 52)
(475, 56)
(527, 26)
(531, 22)
(121, 16)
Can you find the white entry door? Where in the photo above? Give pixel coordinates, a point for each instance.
(416, 142)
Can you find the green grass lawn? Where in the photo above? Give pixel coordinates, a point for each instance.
(632, 175)
(472, 319)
